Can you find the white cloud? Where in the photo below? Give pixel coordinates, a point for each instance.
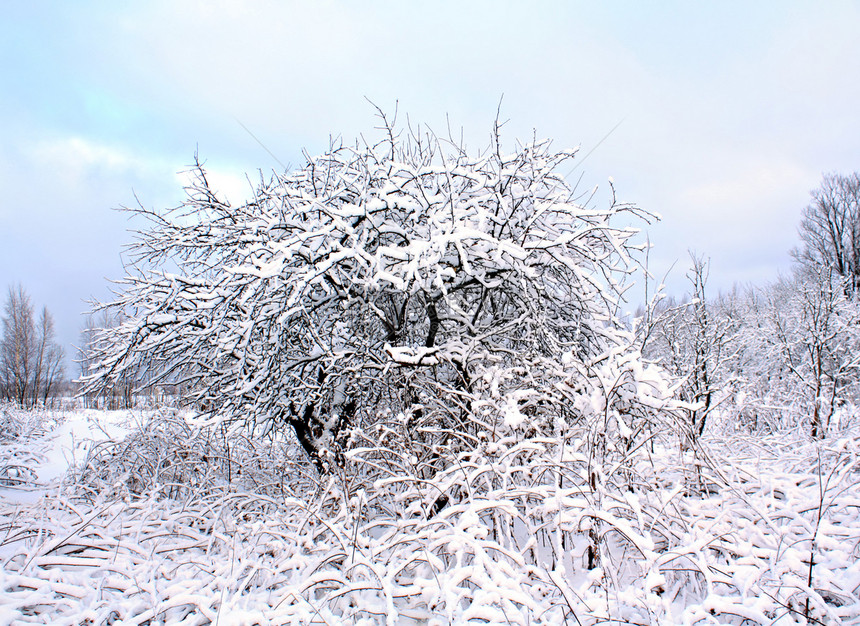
(77, 162)
(74, 159)
(742, 216)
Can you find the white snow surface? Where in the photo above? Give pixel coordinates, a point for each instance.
(724, 538)
(51, 448)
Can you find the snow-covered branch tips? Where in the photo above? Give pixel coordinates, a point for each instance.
(468, 294)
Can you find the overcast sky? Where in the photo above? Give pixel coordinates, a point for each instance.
(726, 114)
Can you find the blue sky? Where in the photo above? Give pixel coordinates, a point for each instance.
(729, 112)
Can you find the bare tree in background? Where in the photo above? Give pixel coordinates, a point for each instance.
(830, 228)
(799, 345)
(31, 362)
(17, 343)
(121, 394)
(818, 346)
(49, 359)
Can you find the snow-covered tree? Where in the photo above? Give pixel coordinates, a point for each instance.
(694, 341)
(405, 277)
(19, 338)
(798, 349)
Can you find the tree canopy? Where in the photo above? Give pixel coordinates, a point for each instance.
(405, 276)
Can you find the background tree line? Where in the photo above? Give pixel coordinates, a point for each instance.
(777, 355)
(132, 389)
(31, 361)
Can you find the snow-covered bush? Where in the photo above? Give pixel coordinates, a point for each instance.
(17, 423)
(796, 353)
(171, 455)
(18, 427)
(695, 341)
(773, 542)
(471, 294)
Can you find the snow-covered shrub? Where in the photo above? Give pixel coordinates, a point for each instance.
(695, 341)
(169, 455)
(17, 423)
(439, 332)
(17, 428)
(406, 276)
(796, 353)
(513, 549)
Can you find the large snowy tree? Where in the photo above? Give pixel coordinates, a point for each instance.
(405, 276)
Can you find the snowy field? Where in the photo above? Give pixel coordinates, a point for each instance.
(151, 518)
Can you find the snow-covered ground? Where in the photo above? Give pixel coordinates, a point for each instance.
(34, 464)
(722, 538)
